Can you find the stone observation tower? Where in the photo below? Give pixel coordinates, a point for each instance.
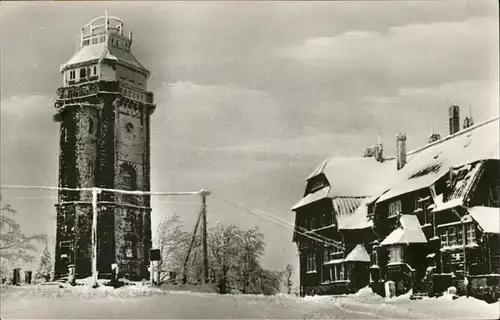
(104, 111)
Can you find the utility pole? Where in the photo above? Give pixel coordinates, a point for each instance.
(204, 195)
(95, 192)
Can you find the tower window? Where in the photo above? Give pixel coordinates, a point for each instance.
(83, 72)
(91, 126)
(129, 127)
(129, 177)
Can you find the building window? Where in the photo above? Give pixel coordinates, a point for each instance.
(311, 262)
(460, 236)
(83, 72)
(444, 238)
(129, 249)
(326, 219)
(471, 234)
(394, 208)
(395, 254)
(337, 272)
(65, 249)
(452, 239)
(374, 257)
(95, 70)
(72, 74)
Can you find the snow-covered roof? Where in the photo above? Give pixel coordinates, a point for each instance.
(409, 232)
(358, 219)
(93, 52)
(312, 197)
(466, 175)
(357, 176)
(351, 177)
(87, 53)
(427, 164)
(359, 253)
(487, 218)
(345, 206)
(334, 261)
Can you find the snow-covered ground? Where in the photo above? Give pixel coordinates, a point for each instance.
(142, 302)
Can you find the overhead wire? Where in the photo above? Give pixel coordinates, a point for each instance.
(283, 223)
(267, 216)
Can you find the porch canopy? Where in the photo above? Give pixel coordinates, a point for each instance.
(410, 232)
(358, 254)
(487, 218)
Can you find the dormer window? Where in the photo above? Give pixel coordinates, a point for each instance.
(394, 208)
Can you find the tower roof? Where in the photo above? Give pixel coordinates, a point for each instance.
(103, 39)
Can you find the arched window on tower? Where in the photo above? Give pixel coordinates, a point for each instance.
(129, 177)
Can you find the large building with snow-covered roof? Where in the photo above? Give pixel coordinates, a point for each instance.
(412, 214)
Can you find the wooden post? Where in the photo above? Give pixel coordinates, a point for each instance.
(95, 192)
(463, 239)
(204, 195)
(151, 274)
(191, 247)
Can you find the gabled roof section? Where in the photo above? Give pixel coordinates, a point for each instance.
(429, 163)
(358, 254)
(487, 218)
(410, 232)
(312, 197)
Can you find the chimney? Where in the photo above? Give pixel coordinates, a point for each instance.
(367, 152)
(468, 121)
(454, 119)
(378, 152)
(434, 136)
(401, 150)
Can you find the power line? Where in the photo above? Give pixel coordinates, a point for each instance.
(310, 235)
(131, 192)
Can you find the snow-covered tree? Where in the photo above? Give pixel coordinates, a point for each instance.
(171, 240)
(15, 246)
(44, 270)
(288, 278)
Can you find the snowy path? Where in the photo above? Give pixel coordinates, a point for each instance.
(142, 303)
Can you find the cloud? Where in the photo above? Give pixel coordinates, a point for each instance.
(409, 55)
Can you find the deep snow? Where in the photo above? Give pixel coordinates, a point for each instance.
(141, 302)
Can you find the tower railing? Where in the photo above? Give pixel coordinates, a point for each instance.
(89, 88)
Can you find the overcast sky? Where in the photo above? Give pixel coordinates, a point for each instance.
(251, 96)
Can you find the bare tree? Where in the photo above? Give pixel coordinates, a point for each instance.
(15, 246)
